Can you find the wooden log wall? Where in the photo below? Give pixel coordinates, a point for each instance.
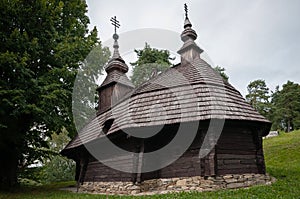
(98, 172)
(187, 165)
(110, 94)
(105, 96)
(260, 160)
(236, 152)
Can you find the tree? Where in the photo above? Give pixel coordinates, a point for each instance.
(286, 107)
(58, 168)
(43, 43)
(85, 98)
(221, 71)
(150, 61)
(258, 96)
(54, 167)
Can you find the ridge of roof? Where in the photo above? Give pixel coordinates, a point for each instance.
(117, 77)
(208, 97)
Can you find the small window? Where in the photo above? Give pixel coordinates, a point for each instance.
(107, 124)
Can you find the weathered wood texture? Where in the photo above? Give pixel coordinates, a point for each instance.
(116, 76)
(110, 94)
(97, 171)
(105, 96)
(187, 165)
(236, 152)
(208, 164)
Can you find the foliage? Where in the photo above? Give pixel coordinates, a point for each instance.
(85, 98)
(58, 168)
(150, 61)
(30, 176)
(221, 71)
(43, 43)
(282, 161)
(286, 107)
(258, 96)
(54, 168)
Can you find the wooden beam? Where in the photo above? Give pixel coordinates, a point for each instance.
(137, 160)
(210, 165)
(260, 160)
(83, 167)
(140, 162)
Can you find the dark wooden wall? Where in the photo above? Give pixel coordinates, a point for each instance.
(187, 165)
(105, 95)
(110, 94)
(236, 152)
(98, 172)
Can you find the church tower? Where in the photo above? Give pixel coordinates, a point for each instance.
(116, 83)
(189, 51)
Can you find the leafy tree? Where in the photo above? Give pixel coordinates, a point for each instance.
(85, 98)
(221, 71)
(286, 107)
(58, 168)
(150, 61)
(258, 96)
(43, 43)
(54, 167)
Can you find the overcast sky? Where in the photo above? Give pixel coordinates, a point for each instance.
(257, 39)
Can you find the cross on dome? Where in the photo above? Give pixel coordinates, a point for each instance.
(189, 51)
(116, 62)
(186, 10)
(115, 23)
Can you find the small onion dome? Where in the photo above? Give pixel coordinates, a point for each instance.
(188, 32)
(116, 62)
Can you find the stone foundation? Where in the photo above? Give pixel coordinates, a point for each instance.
(162, 186)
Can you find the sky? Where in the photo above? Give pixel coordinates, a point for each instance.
(257, 39)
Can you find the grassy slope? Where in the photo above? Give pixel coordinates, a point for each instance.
(282, 155)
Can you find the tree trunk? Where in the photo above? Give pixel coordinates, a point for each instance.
(8, 167)
(288, 126)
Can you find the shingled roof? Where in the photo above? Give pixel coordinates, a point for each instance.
(187, 92)
(184, 93)
(117, 77)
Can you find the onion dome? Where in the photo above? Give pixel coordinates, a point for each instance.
(189, 51)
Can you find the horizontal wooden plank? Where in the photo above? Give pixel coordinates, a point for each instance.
(237, 171)
(235, 156)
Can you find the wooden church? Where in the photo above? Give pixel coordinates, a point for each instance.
(190, 97)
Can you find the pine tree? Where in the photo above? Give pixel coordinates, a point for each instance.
(258, 96)
(286, 107)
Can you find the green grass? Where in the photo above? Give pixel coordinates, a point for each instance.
(282, 156)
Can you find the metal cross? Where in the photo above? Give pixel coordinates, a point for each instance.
(186, 10)
(115, 23)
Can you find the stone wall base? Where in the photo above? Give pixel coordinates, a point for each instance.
(171, 185)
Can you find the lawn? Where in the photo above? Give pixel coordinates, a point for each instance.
(282, 156)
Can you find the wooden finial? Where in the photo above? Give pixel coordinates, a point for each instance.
(115, 23)
(186, 10)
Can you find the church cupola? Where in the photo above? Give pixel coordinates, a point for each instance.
(116, 83)
(116, 62)
(189, 51)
